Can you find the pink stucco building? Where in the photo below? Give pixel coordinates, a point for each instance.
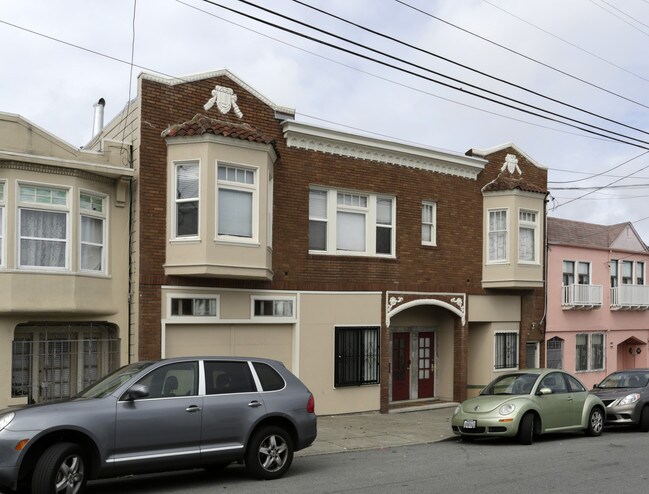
(597, 299)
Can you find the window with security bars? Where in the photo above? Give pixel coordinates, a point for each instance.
(357, 356)
(506, 351)
(53, 361)
(589, 352)
(554, 353)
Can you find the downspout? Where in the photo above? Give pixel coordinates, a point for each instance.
(130, 257)
(545, 268)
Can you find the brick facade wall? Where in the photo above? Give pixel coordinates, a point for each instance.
(455, 265)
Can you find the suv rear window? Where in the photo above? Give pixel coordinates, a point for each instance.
(268, 377)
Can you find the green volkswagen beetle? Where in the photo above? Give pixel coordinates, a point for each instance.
(528, 402)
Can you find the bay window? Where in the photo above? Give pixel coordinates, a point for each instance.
(236, 205)
(43, 227)
(497, 235)
(527, 236)
(186, 199)
(93, 214)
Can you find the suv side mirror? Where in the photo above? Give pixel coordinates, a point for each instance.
(136, 392)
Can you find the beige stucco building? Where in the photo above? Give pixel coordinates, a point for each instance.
(64, 244)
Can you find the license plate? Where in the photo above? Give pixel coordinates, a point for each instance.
(469, 424)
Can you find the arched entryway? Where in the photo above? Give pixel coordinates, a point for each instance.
(631, 354)
(422, 351)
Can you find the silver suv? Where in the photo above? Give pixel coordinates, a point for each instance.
(155, 416)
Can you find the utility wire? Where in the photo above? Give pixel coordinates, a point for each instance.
(602, 173)
(522, 54)
(620, 18)
(565, 41)
(466, 67)
(410, 72)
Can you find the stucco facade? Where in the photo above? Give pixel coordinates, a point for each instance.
(64, 238)
(597, 299)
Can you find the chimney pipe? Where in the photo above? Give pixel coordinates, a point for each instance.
(99, 117)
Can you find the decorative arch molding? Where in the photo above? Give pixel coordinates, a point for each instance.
(397, 302)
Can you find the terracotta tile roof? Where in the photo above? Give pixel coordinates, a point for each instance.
(202, 124)
(510, 183)
(578, 233)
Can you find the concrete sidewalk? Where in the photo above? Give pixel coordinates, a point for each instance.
(357, 431)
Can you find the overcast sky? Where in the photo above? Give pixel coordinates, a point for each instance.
(587, 60)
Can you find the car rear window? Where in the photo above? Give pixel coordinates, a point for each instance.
(269, 377)
(223, 377)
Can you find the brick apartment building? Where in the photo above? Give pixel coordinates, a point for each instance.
(381, 273)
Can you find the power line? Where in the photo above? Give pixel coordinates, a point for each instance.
(521, 54)
(435, 81)
(458, 64)
(620, 18)
(602, 173)
(565, 41)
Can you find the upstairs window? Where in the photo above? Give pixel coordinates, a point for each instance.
(497, 235)
(584, 273)
(237, 199)
(428, 222)
(347, 223)
(639, 273)
(627, 272)
(43, 218)
(93, 217)
(568, 273)
(527, 236)
(614, 268)
(186, 199)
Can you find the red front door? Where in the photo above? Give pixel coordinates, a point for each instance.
(400, 366)
(426, 362)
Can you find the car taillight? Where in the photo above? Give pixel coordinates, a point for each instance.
(310, 406)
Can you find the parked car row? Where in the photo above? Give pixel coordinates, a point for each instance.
(531, 402)
(154, 416)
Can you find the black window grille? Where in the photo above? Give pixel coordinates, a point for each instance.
(506, 351)
(357, 356)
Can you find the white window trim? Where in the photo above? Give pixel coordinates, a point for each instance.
(103, 216)
(290, 298)
(174, 184)
(3, 224)
(507, 236)
(518, 352)
(239, 187)
(193, 295)
(589, 346)
(20, 205)
(532, 226)
(432, 225)
(370, 223)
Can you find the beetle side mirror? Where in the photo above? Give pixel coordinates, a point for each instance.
(545, 391)
(136, 392)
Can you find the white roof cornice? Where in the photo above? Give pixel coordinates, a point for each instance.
(312, 138)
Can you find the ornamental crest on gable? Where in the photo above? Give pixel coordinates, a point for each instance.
(225, 100)
(511, 165)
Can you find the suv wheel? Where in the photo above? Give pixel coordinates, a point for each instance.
(270, 453)
(61, 469)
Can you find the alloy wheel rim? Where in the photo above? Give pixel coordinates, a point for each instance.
(273, 453)
(69, 476)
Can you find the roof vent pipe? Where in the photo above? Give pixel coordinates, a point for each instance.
(99, 117)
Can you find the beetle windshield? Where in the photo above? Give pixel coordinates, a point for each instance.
(511, 384)
(112, 381)
(631, 379)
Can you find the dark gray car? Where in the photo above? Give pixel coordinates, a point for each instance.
(626, 396)
(155, 416)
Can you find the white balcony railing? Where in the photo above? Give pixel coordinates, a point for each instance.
(577, 296)
(630, 297)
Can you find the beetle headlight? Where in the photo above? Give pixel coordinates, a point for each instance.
(457, 410)
(628, 399)
(507, 408)
(6, 419)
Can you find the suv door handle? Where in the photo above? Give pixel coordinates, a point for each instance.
(193, 408)
(254, 404)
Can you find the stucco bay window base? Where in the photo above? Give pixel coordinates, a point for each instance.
(219, 271)
(522, 284)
